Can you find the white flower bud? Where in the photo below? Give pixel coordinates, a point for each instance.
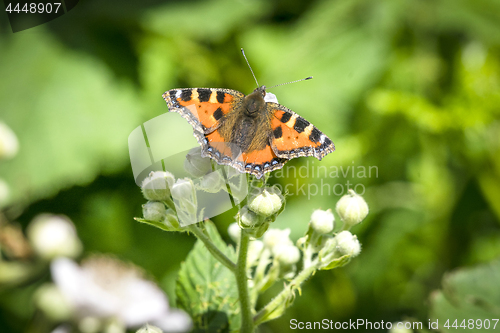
(286, 254)
(184, 197)
(254, 250)
(322, 221)
(234, 232)
(274, 237)
(149, 329)
(266, 203)
(195, 164)
(8, 142)
(212, 182)
(157, 185)
(352, 209)
(154, 211)
(347, 244)
(54, 236)
(248, 219)
(182, 189)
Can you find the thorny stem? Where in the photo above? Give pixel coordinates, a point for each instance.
(247, 325)
(212, 248)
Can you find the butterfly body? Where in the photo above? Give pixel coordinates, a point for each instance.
(247, 132)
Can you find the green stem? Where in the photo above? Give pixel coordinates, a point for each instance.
(247, 325)
(284, 296)
(212, 248)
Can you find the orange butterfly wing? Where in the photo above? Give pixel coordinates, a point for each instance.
(293, 136)
(203, 108)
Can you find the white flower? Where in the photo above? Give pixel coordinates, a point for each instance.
(54, 236)
(8, 142)
(107, 289)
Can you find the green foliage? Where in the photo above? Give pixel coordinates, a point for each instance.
(206, 289)
(409, 87)
(468, 294)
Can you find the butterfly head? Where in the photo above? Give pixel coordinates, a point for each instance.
(255, 102)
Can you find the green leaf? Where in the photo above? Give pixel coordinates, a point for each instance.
(468, 294)
(159, 225)
(206, 289)
(339, 262)
(70, 115)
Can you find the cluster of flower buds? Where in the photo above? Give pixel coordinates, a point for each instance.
(160, 188)
(269, 259)
(327, 250)
(264, 204)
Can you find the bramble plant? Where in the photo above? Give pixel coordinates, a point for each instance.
(220, 287)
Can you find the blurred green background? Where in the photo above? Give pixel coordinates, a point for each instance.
(409, 87)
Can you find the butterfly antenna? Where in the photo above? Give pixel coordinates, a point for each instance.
(282, 84)
(249, 67)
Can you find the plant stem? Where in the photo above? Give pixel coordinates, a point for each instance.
(212, 248)
(247, 325)
(284, 296)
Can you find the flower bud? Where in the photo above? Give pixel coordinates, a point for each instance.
(286, 254)
(182, 189)
(212, 182)
(266, 203)
(149, 329)
(195, 164)
(171, 220)
(248, 219)
(8, 142)
(157, 185)
(154, 211)
(254, 250)
(347, 244)
(234, 232)
(274, 237)
(54, 236)
(352, 209)
(322, 221)
(184, 197)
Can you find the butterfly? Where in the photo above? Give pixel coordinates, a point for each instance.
(249, 133)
